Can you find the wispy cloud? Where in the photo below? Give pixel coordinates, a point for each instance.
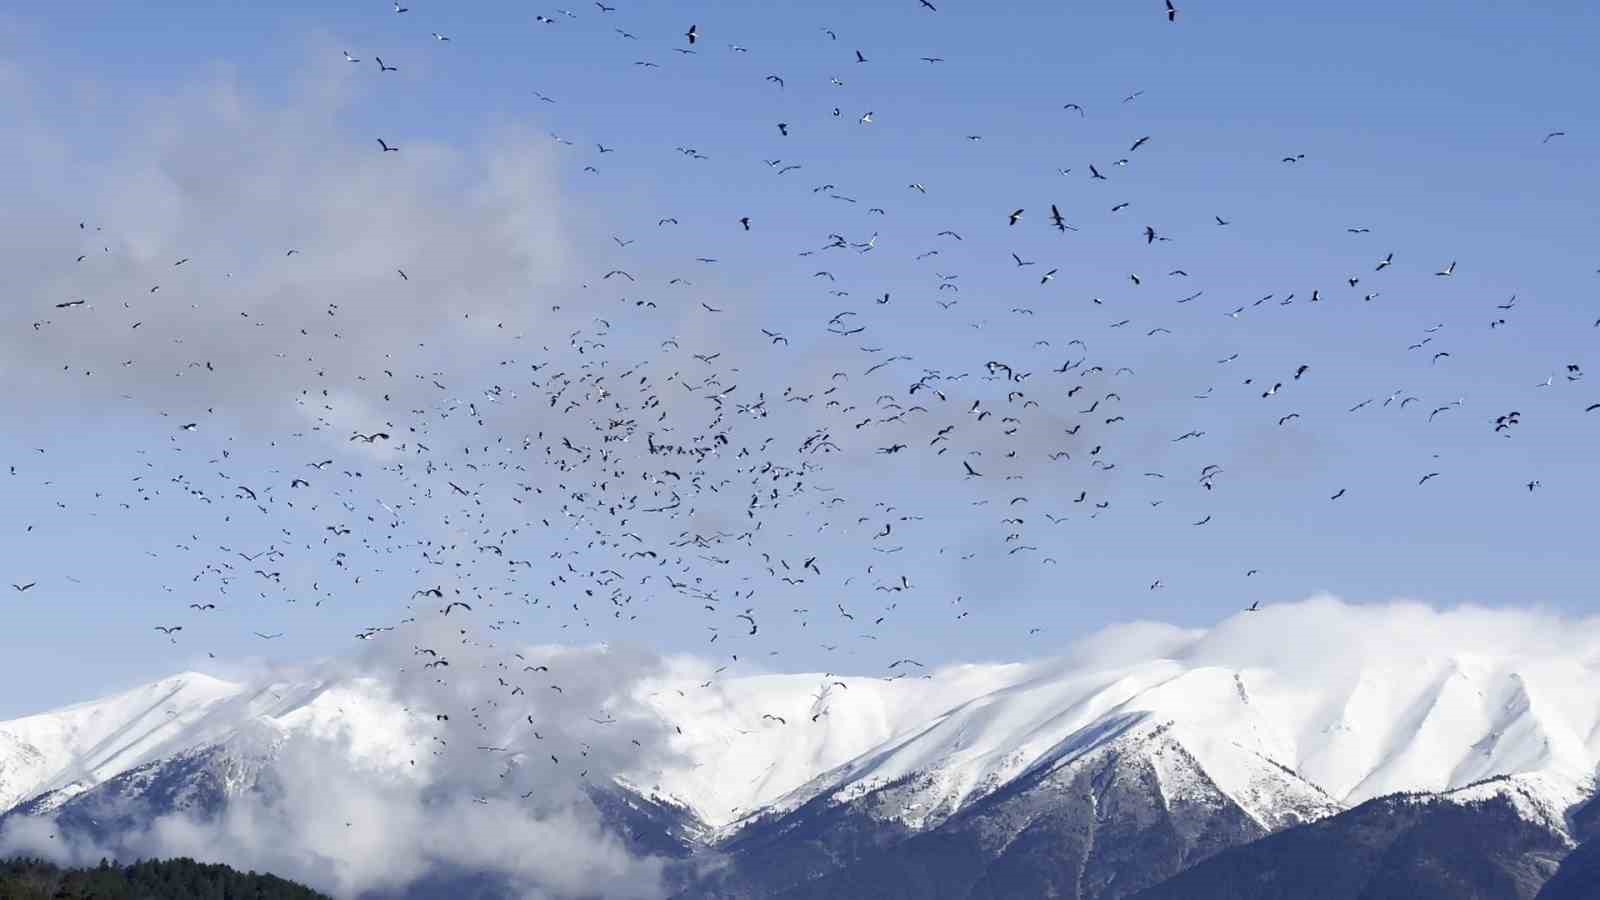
(295, 226)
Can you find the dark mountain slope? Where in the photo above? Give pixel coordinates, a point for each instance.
(1391, 848)
(1579, 875)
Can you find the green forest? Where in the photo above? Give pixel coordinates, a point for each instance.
(174, 879)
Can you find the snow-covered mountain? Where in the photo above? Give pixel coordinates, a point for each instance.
(1202, 745)
(60, 754)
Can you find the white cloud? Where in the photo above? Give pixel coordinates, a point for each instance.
(364, 789)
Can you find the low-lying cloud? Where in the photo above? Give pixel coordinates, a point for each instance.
(362, 787)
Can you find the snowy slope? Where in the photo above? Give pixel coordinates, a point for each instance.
(1428, 723)
(66, 752)
(89, 742)
(735, 762)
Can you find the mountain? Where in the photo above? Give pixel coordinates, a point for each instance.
(1485, 843)
(1135, 764)
(1579, 875)
(89, 742)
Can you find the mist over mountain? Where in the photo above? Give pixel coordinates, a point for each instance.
(1144, 758)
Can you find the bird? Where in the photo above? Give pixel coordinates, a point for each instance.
(692, 34)
(1016, 214)
(386, 147)
(1172, 12)
(382, 67)
(20, 588)
(1447, 271)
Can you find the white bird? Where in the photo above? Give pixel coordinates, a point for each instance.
(440, 37)
(866, 119)
(349, 58)
(1448, 270)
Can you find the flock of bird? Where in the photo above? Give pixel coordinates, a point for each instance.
(592, 482)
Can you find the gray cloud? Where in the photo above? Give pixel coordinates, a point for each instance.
(234, 183)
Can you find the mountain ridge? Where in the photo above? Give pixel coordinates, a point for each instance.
(1186, 746)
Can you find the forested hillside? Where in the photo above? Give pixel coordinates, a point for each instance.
(175, 879)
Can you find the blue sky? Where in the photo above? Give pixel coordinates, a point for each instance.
(231, 133)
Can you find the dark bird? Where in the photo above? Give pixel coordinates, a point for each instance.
(1172, 12)
(386, 147)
